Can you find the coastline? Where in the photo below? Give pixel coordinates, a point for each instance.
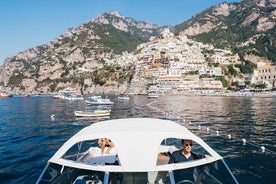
(225, 94)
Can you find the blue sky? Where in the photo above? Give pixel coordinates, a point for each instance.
(28, 23)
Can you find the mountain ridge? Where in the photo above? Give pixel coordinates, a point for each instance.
(86, 46)
(243, 27)
(50, 66)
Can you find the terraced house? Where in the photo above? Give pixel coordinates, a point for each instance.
(265, 74)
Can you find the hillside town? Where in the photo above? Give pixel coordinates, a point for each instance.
(178, 64)
(100, 56)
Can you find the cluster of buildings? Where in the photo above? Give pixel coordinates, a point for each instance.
(170, 62)
(177, 63)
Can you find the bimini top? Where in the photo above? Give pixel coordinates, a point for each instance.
(137, 142)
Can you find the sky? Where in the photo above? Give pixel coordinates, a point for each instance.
(28, 23)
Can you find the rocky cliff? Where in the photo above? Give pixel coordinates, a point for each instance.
(55, 65)
(247, 28)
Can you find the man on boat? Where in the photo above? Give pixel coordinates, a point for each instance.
(184, 154)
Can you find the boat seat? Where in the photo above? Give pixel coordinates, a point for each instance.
(93, 157)
(156, 177)
(162, 159)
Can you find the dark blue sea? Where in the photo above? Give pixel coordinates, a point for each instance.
(29, 137)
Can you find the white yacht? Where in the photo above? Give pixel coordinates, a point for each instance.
(72, 97)
(99, 101)
(141, 151)
(123, 96)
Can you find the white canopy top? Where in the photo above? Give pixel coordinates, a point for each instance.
(137, 142)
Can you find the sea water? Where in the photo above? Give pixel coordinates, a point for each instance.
(29, 136)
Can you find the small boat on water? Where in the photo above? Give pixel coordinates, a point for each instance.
(153, 96)
(20, 95)
(4, 95)
(74, 97)
(58, 96)
(123, 96)
(92, 113)
(100, 101)
(95, 97)
(141, 151)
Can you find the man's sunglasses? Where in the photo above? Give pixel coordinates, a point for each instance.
(186, 145)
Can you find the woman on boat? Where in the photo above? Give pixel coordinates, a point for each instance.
(105, 142)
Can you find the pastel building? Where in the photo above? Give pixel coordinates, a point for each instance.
(265, 73)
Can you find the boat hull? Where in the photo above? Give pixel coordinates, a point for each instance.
(92, 114)
(99, 102)
(5, 96)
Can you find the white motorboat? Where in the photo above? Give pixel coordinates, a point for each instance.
(92, 113)
(77, 97)
(153, 96)
(95, 97)
(140, 155)
(100, 101)
(123, 96)
(4, 95)
(58, 96)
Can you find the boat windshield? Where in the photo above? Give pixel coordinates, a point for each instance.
(79, 149)
(58, 174)
(98, 152)
(214, 173)
(170, 145)
(93, 152)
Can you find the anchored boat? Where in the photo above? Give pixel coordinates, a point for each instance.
(4, 95)
(92, 113)
(142, 148)
(99, 101)
(123, 96)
